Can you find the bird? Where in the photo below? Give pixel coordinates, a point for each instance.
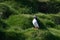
(35, 22)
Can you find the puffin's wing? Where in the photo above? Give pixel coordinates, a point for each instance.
(35, 23)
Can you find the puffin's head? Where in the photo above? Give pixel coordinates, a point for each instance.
(35, 16)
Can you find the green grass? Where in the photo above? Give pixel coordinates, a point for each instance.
(19, 25)
(20, 21)
(24, 21)
(22, 25)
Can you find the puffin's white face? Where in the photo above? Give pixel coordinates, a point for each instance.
(35, 17)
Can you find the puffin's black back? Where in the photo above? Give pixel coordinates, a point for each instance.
(41, 25)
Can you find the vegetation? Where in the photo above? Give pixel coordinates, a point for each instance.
(16, 19)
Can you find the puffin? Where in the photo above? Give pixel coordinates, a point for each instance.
(35, 22)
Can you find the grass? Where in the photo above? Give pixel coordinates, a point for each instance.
(17, 25)
(20, 27)
(22, 23)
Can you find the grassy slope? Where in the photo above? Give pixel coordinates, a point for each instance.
(21, 28)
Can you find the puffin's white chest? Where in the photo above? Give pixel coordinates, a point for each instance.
(35, 23)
